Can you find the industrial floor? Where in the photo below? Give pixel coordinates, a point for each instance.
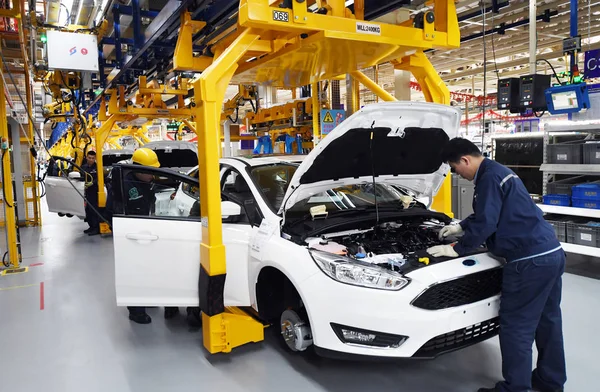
(62, 332)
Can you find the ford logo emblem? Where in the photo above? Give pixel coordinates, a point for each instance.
(469, 262)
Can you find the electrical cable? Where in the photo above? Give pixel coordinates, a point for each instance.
(40, 136)
(484, 78)
(553, 70)
(4, 182)
(68, 14)
(373, 176)
(494, 53)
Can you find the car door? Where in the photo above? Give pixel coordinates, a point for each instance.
(238, 233)
(157, 253)
(62, 198)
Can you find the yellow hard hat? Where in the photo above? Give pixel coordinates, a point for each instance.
(145, 157)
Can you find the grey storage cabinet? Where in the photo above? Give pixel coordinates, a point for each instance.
(462, 197)
(591, 153)
(565, 153)
(563, 187)
(587, 234)
(559, 223)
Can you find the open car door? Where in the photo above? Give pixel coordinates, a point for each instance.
(62, 197)
(157, 245)
(157, 252)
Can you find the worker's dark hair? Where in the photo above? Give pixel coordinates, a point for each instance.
(458, 148)
(91, 152)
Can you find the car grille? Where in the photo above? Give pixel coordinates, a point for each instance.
(462, 291)
(459, 339)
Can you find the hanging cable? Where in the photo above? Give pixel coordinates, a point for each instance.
(484, 78)
(589, 24)
(4, 182)
(553, 70)
(494, 52)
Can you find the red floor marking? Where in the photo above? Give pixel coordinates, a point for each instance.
(41, 295)
(36, 264)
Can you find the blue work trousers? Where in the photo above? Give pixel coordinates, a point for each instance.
(530, 311)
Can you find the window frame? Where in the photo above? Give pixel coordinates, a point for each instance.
(225, 170)
(118, 173)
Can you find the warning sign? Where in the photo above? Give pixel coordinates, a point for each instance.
(327, 118)
(331, 119)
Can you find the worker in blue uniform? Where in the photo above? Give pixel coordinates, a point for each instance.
(513, 227)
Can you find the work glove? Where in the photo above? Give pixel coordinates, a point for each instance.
(442, 251)
(450, 230)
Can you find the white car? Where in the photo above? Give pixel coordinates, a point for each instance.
(339, 259)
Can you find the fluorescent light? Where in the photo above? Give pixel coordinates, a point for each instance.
(79, 11)
(101, 10)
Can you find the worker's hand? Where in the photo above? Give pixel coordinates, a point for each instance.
(450, 230)
(442, 251)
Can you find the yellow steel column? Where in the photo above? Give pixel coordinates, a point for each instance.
(34, 185)
(222, 330)
(100, 137)
(436, 91)
(9, 203)
(316, 112)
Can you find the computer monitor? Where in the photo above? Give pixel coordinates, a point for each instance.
(567, 99)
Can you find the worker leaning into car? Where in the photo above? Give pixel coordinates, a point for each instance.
(513, 227)
(139, 199)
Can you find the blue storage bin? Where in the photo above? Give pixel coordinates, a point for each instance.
(586, 203)
(586, 191)
(557, 200)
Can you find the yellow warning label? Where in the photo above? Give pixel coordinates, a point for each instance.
(328, 118)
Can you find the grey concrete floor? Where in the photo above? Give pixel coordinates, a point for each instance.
(81, 341)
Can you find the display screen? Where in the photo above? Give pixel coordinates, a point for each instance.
(565, 100)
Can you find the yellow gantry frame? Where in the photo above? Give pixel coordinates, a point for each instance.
(298, 48)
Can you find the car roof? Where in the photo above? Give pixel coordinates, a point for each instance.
(117, 152)
(268, 160)
(177, 144)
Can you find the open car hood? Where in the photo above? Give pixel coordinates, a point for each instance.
(399, 142)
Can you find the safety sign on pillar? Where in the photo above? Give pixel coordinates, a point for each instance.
(592, 64)
(331, 119)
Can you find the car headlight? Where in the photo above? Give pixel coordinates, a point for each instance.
(358, 273)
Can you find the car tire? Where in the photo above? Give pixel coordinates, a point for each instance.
(295, 333)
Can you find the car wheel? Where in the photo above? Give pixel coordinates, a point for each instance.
(295, 332)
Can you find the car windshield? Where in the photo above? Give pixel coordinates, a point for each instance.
(273, 181)
(352, 197)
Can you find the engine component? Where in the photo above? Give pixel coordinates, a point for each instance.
(388, 245)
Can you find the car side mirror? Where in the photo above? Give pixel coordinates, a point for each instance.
(75, 175)
(230, 211)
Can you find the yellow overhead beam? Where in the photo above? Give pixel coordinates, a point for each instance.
(371, 85)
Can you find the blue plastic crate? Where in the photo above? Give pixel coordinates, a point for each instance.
(586, 203)
(586, 191)
(557, 200)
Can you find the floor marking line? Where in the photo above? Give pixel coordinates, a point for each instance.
(17, 287)
(41, 295)
(36, 264)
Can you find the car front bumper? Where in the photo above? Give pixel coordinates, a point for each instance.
(428, 332)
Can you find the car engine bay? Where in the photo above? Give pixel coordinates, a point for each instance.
(391, 245)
